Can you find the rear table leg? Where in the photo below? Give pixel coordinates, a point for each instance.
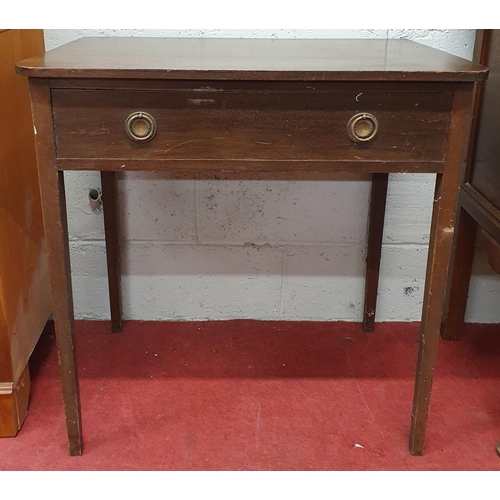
(374, 251)
(112, 235)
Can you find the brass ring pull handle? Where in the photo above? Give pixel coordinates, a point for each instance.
(362, 127)
(140, 126)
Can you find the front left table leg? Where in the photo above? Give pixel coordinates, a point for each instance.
(56, 235)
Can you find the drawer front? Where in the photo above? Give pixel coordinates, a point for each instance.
(251, 125)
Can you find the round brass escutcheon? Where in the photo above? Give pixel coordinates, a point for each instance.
(140, 126)
(362, 127)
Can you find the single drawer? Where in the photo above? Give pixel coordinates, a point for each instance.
(252, 125)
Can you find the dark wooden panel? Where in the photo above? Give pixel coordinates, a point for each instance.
(251, 125)
(485, 171)
(251, 59)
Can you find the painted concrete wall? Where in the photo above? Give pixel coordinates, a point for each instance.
(266, 248)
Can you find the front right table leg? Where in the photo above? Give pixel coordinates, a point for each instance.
(438, 261)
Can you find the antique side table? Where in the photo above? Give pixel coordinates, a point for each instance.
(367, 106)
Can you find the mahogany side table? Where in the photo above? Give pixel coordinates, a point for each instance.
(367, 106)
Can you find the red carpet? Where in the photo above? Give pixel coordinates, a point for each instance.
(249, 395)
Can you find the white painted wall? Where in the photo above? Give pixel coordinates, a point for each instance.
(265, 248)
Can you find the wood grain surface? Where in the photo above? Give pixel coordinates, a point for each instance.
(252, 125)
(251, 59)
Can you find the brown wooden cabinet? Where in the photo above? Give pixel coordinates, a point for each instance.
(24, 283)
(484, 176)
(479, 200)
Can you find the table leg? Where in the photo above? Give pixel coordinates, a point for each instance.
(62, 297)
(56, 234)
(438, 261)
(375, 232)
(112, 235)
(458, 286)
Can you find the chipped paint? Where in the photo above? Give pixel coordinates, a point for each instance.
(208, 89)
(199, 102)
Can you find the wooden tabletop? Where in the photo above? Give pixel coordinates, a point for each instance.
(251, 59)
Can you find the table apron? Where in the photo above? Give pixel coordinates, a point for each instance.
(250, 166)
